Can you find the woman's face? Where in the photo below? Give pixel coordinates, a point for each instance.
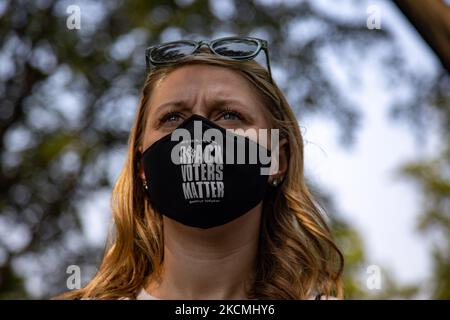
(217, 93)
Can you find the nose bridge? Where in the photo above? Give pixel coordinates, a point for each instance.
(200, 103)
(200, 108)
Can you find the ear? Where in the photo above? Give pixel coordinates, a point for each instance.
(282, 161)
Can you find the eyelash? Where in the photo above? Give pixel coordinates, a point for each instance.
(227, 110)
(166, 117)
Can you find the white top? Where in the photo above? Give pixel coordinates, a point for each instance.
(144, 295)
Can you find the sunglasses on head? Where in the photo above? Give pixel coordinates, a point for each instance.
(235, 48)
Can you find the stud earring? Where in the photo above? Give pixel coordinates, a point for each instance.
(276, 181)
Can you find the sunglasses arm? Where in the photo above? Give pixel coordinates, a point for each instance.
(147, 59)
(266, 53)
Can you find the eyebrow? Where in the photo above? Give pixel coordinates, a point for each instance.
(180, 104)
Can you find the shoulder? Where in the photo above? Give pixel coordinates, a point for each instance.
(144, 295)
(322, 297)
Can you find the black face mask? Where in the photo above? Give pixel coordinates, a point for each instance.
(203, 189)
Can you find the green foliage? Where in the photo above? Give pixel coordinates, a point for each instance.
(433, 177)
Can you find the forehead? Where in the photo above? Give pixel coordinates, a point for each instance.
(199, 79)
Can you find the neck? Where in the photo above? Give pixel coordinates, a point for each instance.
(216, 263)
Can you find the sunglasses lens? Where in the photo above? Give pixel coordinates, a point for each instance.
(172, 51)
(236, 48)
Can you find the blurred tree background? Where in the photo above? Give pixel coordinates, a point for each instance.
(68, 97)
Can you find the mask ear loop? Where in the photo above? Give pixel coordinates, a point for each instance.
(277, 181)
(138, 159)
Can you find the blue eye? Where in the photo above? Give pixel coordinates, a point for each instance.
(170, 117)
(231, 115)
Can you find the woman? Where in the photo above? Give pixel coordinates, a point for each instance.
(268, 240)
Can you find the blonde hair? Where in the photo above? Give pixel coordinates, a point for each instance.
(297, 256)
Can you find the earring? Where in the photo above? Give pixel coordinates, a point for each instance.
(144, 183)
(275, 182)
